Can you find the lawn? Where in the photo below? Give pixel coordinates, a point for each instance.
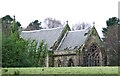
(61, 70)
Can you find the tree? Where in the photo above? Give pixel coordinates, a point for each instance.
(6, 25)
(111, 40)
(7, 22)
(13, 49)
(18, 24)
(42, 52)
(52, 23)
(0, 41)
(35, 25)
(112, 21)
(80, 26)
(17, 52)
(104, 31)
(7, 19)
(14, 54)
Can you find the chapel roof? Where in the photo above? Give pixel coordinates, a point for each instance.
(74, 39)
(50, 36)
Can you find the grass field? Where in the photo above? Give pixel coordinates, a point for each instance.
(61, 70)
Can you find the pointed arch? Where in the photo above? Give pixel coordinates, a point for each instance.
(70, 62)
(59, 63)
(92, 56)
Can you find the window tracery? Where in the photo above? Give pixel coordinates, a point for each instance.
(91, 56)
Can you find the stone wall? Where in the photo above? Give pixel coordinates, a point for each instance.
(75, 57)
(65, 61)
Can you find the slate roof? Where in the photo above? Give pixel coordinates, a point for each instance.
(50, 36)
(74, 39)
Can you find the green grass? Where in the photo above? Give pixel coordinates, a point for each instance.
(62, 70)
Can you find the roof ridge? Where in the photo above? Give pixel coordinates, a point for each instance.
(44, 29)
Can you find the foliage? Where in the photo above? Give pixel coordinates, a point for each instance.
(7, 22)
(104, 31)
(41, 54)
(64, 70)
(0, 42)
(35, 25)
(13, 49)
(112, 21)
(111, 40)
(17, 52)
(22, 53)
(18, 24)
(7, 19)
(13, 53)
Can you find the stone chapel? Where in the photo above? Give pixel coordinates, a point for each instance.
(70, 48)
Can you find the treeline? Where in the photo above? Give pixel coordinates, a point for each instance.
(18, 52)
(46, 24)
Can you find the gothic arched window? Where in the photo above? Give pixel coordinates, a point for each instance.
(91, 56)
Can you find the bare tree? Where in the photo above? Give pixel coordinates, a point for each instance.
(111, 40)
(111, 43)
(80, 26)
(52, 23)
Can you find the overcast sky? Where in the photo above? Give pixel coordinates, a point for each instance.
(74, 11)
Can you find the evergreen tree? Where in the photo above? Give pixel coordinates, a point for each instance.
(17, 52)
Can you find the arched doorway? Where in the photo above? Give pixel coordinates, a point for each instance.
(59, 63)
(70, 62)
(92, 56)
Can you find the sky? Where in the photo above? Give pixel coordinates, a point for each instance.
(74, 11)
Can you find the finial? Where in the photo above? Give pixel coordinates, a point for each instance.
(14, 17)
(66, 22)
(93, 23)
